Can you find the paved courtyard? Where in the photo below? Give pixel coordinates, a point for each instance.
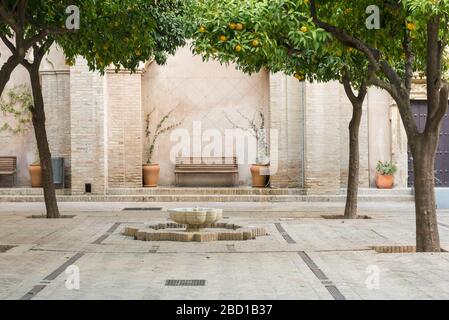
(303, 257)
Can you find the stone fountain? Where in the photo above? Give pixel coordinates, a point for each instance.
(196, 219)
(195, 224)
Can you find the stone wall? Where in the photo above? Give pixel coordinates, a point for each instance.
(97, 123)
(379, 130)
(19, 145)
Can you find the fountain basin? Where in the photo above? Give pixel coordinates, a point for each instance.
(196, 219)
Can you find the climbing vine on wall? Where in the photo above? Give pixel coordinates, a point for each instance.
(15, 110)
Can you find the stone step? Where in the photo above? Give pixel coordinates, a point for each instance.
(162, 191)
(374, 191)
(29, 191)
(206, 198)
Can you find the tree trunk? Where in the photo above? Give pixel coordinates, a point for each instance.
(424, 150)
(38, 113)
(354, 163)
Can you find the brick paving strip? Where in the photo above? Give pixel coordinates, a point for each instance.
(332, 288)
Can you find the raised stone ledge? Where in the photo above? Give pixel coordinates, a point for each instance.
(162, 234)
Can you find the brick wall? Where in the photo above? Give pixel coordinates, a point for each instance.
(322, 138)
(88, 139)
(124, 118)
(286, 120)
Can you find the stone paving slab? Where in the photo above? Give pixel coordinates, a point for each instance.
(118, 267)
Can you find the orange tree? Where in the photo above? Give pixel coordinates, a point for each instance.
(415, 31)
(280, 36)
(120, 33)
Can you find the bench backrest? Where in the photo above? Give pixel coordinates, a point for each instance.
(8, 163)
(204, 161)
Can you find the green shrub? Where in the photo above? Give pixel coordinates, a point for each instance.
(386, 168)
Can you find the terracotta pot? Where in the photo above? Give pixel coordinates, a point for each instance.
(384, 181)
(36, 175)
(151, 175)
(259, 181)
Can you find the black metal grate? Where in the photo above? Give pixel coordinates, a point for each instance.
(331, 288)
(284, 234)
(143, 209)
(185, 283)
(335, 293)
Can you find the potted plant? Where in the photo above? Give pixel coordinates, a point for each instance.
(151, 170)
(385, 175)
(35, 171)
(17, 106)
(259, 170)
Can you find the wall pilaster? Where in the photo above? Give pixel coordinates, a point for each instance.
(88, 129)
(322, 138)
(286, 123)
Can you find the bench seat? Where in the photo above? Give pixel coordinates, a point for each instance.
(210, 166)
(8, 167)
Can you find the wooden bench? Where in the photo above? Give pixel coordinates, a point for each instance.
(209, 166)
(8, 167)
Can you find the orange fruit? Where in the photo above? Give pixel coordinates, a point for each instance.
(411, 26)
(232, 26)
(202, 29)
(239, 26)
(304, 29)
(255, 42)
(223, 38)
(238, 48)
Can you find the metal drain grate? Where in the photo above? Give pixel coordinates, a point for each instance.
(4, 248)
(335, 293)
(185, 283)
(284, 234)
(142, 209)
(325, 281)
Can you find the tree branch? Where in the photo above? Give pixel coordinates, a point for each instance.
(346, 80)
(410, 56)
(8, 43)
(372, 54)
(435, 120)
(7, 18)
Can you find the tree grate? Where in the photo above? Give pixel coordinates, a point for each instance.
(4, 248)
(185, 283)
(142, 209)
